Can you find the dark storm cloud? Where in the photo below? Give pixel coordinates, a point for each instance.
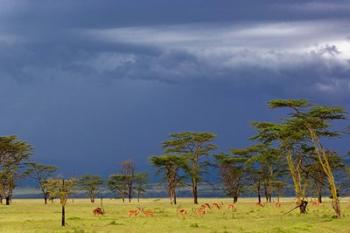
(81, 79)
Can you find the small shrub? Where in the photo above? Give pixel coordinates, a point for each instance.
(115, 223)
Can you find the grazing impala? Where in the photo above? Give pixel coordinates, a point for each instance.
(206, 205)
(147, 213)
(231, 207)
(216, 205)
(201, 211)
(260, 204)
(98, 211)
(182, 212)
(315, 203)
(133, 213)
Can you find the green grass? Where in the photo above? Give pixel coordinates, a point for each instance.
(34, 216)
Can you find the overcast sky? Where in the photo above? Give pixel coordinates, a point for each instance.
(92, 83)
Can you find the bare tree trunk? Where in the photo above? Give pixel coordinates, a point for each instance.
(319, 192)
(8, 199)
(336, 206)
(194, 191)
(45, 195)
(318, 183)
(174, 197)
(92, 198)
(269, 192)
(170, 193)
(130, 193)
(235, 199)
(101, 202)
(170, 190)
(295, 176)
(319, 197)
(323, 159)
(266, 193)
(63, 217)
(335, 198)
(258, 191)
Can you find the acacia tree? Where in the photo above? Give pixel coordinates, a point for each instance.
(254, 174)
(316, 173)
(141, 180)
(128, 171)
(192, 146)
(315, 120)
(254, 179)
(41, 173)
(232, 168)
(291, 144)
(317, 177)
(62, 189)
(117, 184)
(264, 165)
(169, 165)
(272, 170)
(91, 184)
(13, 154)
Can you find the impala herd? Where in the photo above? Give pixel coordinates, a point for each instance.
(183, 213)
(200, 211)
(138, 211)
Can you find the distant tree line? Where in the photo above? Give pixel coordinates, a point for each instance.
(290, 151)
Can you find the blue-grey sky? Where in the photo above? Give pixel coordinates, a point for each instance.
(91, 83)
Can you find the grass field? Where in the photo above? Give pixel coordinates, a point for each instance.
(34, 216)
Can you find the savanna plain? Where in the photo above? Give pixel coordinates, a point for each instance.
(31, 215)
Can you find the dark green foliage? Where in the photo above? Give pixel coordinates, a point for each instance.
(13, 154)
(141, 180)
(41, 173)
(264, 166)
(117, 183)
(192, 146)
(62, 189)
(289, 103)
(303, 129)
(169, 166)
(232, 169)
(91, 185)
(128, 171)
